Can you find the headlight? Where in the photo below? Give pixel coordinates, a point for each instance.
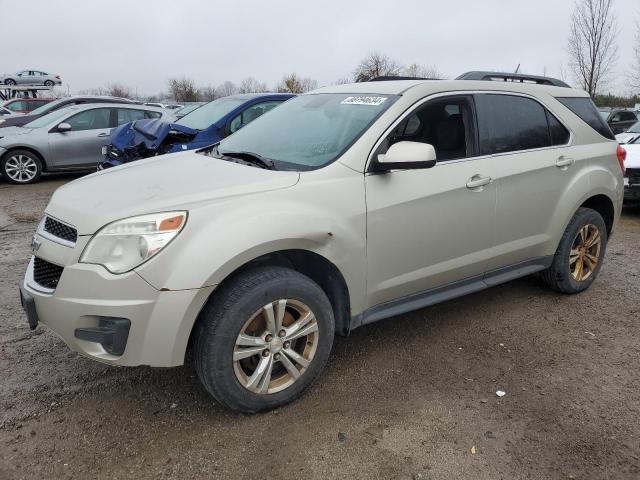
(123, 245)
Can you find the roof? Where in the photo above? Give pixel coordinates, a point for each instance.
(398, 87)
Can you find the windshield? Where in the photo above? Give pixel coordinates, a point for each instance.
(47, 107)
(309, 131)
(635, 128)
(205, 116)
(51, 117)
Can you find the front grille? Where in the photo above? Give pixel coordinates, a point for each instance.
(46, 274)
(60, 230)
(634, 176)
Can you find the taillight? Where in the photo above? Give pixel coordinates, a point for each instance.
(622, 156)
(58, 77)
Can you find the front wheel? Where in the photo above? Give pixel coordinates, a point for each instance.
(9, 81)
(48, 83)
(21, 166)
(579, 256)
(263, 339)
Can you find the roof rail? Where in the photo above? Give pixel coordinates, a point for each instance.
(387, 78)
(513, 77)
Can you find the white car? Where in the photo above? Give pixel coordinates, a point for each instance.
(632, 173)
(630, 134)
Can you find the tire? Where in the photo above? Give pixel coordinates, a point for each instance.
(564, 275)
(9, 81)
(21, 167)
(49, 83)
(241, 306)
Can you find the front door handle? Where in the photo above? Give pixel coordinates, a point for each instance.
(564, 162)
(477, 182)
(103, 135)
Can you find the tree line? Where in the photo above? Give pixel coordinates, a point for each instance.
(592, 50)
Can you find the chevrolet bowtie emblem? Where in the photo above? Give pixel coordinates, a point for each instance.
(35, 244)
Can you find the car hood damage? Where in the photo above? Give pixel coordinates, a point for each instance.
(148, 138)
(173, 182)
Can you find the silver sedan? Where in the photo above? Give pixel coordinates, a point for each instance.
(69, 139)
(31, 77)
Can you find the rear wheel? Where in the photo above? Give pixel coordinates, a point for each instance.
(9, 81)
(21, 166)
(49, 83)
(580, 254)
(263, 339)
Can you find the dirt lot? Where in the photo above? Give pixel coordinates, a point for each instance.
(409, 397)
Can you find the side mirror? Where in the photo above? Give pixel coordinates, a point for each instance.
(406, 156)
(64, 127)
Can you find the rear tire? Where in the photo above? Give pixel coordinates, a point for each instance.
(21, 167)
(9, 81)
(580, 254)
(48, 83)
(272, 320)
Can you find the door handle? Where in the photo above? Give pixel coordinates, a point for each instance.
(478, 181)
(103, 135)
(564, 162)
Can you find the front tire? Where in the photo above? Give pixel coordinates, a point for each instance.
(9, 81)
(21, 167)
(263, 338)
(48, 83)
(579, 256)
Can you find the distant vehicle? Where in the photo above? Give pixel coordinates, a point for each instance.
(204, 126)
(630, 134)
(181, 112)
(632, 173)
(618, 119)
(31, 77)
(25, 105)
(20, 120)
(68, 139)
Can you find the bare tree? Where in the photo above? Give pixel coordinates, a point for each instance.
(423, 71)
(118, 90)
(226, 88)
(375, 65)
(251, 85)
(634, 75)
(208, 93)
(592, 43)
(292, 83)
(183, 89)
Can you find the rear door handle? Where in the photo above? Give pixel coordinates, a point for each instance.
(478, 181)
(564, 162)
(102, 135)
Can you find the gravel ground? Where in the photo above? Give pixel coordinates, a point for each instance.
(411, 397)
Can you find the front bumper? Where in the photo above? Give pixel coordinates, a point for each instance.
(88, 296)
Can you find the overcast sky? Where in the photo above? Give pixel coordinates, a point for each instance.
(142, 43)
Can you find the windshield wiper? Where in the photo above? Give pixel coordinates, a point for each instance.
(250, 157)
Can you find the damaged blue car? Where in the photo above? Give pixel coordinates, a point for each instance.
(202, 127)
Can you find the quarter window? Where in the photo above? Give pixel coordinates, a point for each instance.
(584, 108)
(126, 115)
(511, 123)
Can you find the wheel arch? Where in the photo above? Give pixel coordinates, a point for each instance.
(311, 264)
(602, 204)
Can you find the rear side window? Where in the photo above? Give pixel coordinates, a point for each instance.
(584, 108)
(152, 114)
(510, 123)
(559, 134)
(126, 115)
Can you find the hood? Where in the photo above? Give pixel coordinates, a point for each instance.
(13, 131)
(633, 156)
(16, 120)
(168, 182)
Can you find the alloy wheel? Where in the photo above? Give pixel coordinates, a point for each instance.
(275, 346)
(20, 168)
(585, 252)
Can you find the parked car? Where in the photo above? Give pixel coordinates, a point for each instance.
(204, 126)
(26, 105)
(168, 106)
(68, 139)
(31, 77)
(619, 120)
(629, 134)
(181, 112)
(342, 207)
(632, 174)
(18, 121)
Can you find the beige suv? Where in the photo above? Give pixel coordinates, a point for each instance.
(341, 207)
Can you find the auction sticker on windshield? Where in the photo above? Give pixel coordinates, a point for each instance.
(365, 100)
